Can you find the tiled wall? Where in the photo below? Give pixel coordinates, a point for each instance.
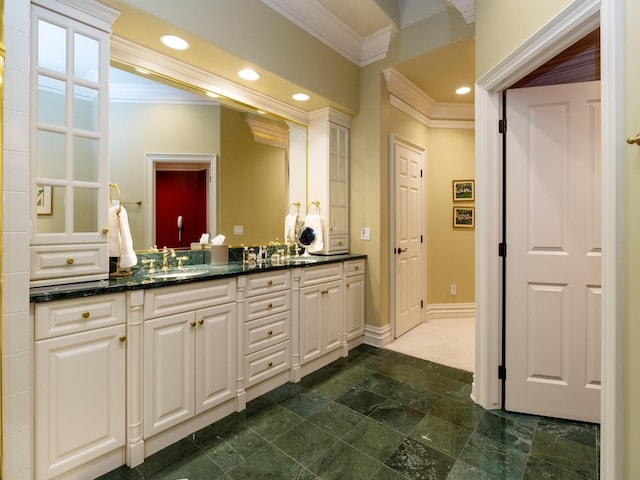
(17, 372)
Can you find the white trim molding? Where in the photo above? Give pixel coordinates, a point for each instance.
(407, 97)
(435, 311)
(318, 21)
(377, 336)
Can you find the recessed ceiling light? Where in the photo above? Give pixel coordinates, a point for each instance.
(300, 97)
(175, 42)
(463, 90)
(248, 74)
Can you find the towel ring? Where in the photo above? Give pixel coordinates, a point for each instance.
(111, 187)
(315, 203)
(294, 204)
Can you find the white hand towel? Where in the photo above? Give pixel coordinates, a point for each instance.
(120, 242)
(314, 221)
(290, 223)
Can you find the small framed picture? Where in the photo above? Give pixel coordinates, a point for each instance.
(463, 191)
(464, 217)
(43, 200)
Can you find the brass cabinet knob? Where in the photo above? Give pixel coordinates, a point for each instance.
(348, 285)
(193, 323)
(269, 332)
(270, 364)
(269, 305)
(357, 267)
(201, 321)
(85, 314)
(70, 261)
(105, 230)
(122, 338)
(270, 282)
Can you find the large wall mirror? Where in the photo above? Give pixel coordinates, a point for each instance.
(187, 163)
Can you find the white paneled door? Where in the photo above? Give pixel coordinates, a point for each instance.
(408, 249)
(553, 286)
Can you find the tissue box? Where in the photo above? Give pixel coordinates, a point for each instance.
(216, 254)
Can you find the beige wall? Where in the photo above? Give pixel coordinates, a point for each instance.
(503, 25)
(450, 252)
(251, 190)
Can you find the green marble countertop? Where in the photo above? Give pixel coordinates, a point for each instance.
(141, 279)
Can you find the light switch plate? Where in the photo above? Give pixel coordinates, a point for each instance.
(238, 230)
(365, 233)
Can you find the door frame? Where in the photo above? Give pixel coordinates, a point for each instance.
(576, 20)
(182, 161)
(393, 140)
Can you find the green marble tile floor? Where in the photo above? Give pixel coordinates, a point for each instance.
(377, 415)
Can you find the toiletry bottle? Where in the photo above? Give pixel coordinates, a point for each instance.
(245, 255)
(259, 254)
(252, 256)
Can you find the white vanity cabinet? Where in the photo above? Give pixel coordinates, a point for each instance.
(68, 151)
(329, 167)
(320, 314)
(189, 352)
(80, 375)
(354, 271)
(266, 330)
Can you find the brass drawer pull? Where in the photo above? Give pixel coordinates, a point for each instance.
(122, 338)
(269, 332)
(324, 292)
(357, 267)
(86, 314)
(270, 364)
(70, 261)
(270, 282)
(269, 305)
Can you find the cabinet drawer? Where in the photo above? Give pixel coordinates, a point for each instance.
(321, 274)
(354, 267)
(78, 315)
(338, 243)
(264, 332)
(53, 262)
(260, 283)
(256, 307)
(268, 362)
(181, 298)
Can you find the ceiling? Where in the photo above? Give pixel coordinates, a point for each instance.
(364, 23)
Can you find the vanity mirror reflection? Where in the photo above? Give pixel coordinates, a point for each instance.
(187, 163)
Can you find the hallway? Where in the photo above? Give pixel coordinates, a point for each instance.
(448, 341)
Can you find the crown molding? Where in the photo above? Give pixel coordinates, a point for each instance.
(91, 12)
(318, 21)
(406, 96)
(466, 7)
(266, 132)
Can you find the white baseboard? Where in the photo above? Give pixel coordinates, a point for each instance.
(449, 310)
(377, 336)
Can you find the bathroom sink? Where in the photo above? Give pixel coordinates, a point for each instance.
(178, 274)
(300, 260)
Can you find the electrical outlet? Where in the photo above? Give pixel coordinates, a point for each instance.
(365, 233)
(453, 288)
(238, 230)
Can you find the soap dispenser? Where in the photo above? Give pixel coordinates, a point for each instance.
(245, 255)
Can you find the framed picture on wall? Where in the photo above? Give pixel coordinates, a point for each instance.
(464, 217)
(463, 191)
(43, 200)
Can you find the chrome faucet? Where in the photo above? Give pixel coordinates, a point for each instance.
(166, 253)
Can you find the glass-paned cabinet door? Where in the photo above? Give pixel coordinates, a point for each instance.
(338, 179)
(69, 76)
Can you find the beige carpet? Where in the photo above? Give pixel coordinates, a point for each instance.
(446, 341)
